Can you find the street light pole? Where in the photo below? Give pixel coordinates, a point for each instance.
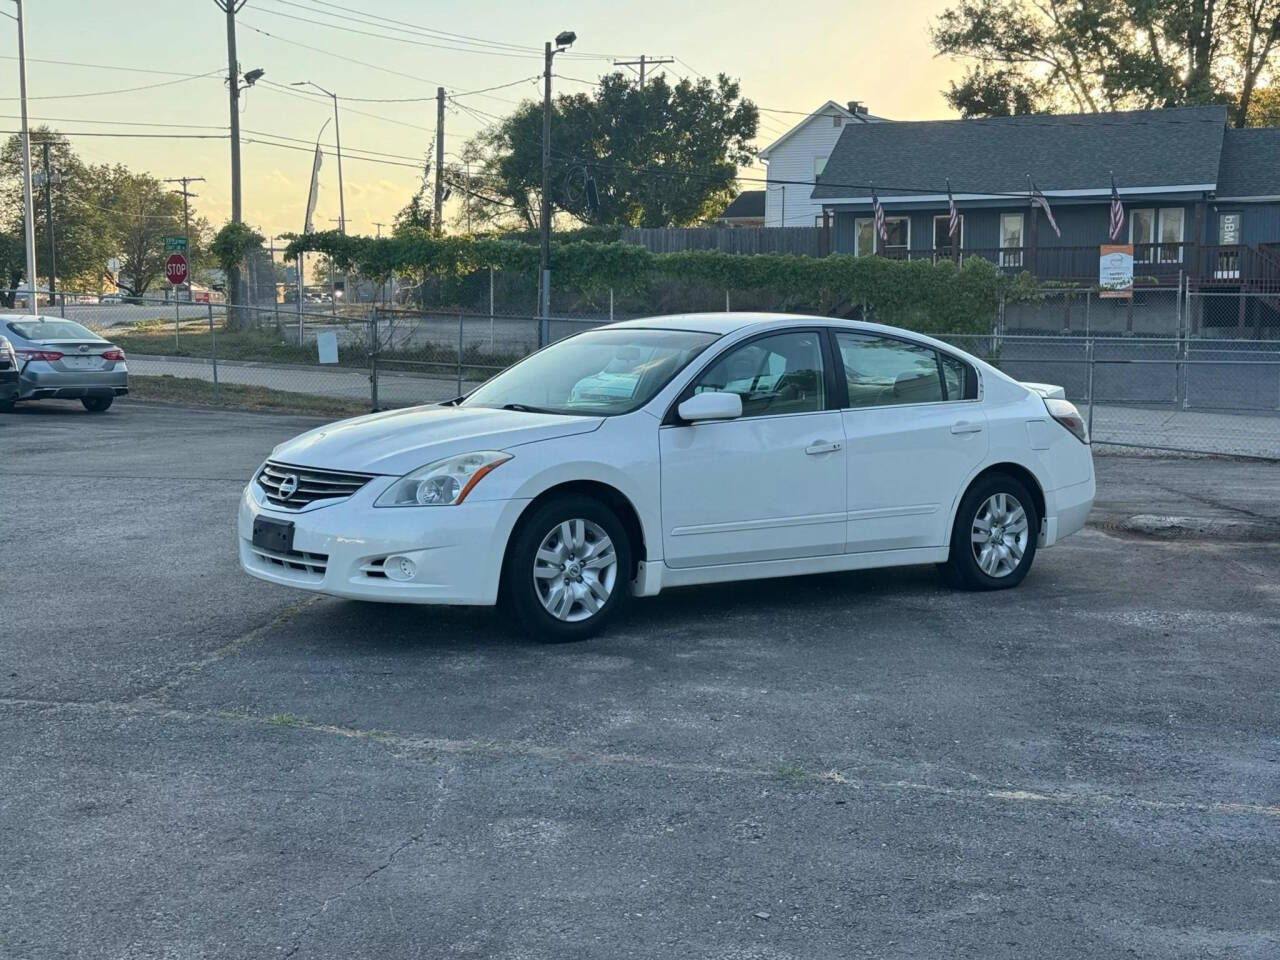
(28, 212)
(337, 137)
(562, 42)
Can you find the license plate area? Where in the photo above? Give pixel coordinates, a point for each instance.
(273, 535)
(82, 363)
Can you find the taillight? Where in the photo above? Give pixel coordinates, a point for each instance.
(113, 355)
(39, 354)
(1066, 414)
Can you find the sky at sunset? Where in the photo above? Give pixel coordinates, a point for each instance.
(789, 57)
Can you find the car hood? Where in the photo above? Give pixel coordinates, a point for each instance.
(398, 441)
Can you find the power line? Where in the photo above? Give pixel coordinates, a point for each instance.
(431, 31)
(108, 66)
(151, 136)
(118, 123)
(315, 98)
(108, 93)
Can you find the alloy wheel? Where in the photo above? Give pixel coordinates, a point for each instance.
(575, 570)
(1000, 535)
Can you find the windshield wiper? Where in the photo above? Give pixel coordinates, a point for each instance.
(523, 408)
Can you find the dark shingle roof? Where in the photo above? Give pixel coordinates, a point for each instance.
(1145, 148)
(1250, 163)
(749, 203)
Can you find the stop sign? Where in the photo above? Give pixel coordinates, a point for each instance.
(175, 269)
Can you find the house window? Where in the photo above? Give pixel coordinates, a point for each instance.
(1156, 234)
(836, 120)
(819, 164)
(1011, 239)
(898, 243)
(942, 234)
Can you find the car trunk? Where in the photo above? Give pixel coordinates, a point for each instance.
(78, 354)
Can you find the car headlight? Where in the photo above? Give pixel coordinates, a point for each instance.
(443, 483)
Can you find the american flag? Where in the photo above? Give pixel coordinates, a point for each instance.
(953, 224)
(1039, 200)
(1117, 212)
(879, 216)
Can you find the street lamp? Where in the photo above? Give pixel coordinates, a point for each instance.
(337, 134)
(563, 41)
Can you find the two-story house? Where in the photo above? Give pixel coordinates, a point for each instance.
(796, 158)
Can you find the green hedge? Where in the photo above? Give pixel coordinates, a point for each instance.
(942, 297)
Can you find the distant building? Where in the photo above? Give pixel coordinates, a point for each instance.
(746, 210)
(797, 158)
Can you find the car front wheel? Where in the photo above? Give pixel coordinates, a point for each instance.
(994, 539)
(568, 570)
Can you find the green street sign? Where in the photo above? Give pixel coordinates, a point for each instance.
(175, 244)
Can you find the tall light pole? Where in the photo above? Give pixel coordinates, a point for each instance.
(564, 40)
(337, 136)
(28, 212)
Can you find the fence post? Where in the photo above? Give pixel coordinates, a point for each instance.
(213, 352)
(176, 309)
(62, 307)
(1088, 351)
(726, 300)
(459, 355)
(611, 304)
(372, 334)
(1088, 301)
(491, 339)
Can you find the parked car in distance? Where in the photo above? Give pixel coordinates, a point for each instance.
(8, 375)
(675, 451)
(61, 359)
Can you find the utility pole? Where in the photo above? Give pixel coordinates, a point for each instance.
(28, 212)
(379, 227)
(186, 215)
(437, 218)
(50, 178)
(642, 62)
(230, 8)
(563, 41)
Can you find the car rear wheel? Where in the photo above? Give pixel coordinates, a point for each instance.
(568, 570)
(96, 404)
(6, 406)
(994, 539)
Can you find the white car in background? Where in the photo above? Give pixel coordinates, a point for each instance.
(676, 451)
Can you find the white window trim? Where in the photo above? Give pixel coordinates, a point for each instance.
(875, 239)
(1014, 251)
(1152, 254)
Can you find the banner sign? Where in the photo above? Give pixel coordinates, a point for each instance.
(175, 244)
(1115, 270)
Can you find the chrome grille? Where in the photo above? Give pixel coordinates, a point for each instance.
(309, 483)
(298, 561)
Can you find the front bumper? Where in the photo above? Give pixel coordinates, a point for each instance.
(338, 548)
(39, 382)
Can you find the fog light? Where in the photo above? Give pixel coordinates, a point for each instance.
(400, 568)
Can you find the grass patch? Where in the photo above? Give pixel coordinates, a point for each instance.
(286, 720)
(192, 392)
(790, 772)
(267, 346)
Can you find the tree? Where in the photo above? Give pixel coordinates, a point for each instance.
(417, 212)
(82, 228)
(144, 212)
(1264, 108)
(1028, 56)
(655, 155)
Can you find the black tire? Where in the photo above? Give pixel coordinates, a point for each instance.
(96, 404)
(521, 595)
(962, 568)
(6, 406)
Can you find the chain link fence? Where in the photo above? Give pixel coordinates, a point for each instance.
(1175, 369)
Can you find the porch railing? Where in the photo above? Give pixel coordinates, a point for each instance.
(1154, 264)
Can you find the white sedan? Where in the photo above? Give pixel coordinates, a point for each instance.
(675, 451)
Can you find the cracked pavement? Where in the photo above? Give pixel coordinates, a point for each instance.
(198, 765)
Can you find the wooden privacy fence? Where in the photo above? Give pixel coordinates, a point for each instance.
(800, 241)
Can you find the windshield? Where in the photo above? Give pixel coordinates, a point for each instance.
(50, 329)
(600, 372)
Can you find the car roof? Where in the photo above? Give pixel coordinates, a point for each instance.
(730, 322)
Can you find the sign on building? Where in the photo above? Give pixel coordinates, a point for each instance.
(1115, 270)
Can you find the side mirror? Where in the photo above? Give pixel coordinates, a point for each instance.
(710, 406)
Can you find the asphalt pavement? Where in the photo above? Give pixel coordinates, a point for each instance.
(200, 765)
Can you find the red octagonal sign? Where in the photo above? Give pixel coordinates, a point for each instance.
(175, 269)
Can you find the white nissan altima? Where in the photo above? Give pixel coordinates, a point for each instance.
(675, 451)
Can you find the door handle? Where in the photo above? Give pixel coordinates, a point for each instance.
(821, 446)
(964, 426)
